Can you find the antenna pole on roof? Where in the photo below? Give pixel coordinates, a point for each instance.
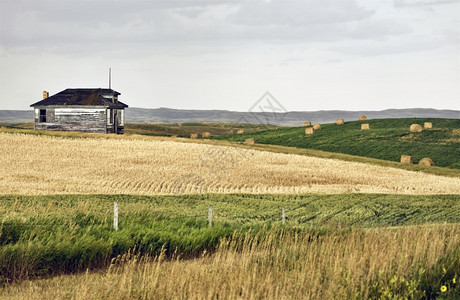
(110, 78)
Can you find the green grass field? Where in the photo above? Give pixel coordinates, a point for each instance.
(387, 139)
(43, 235)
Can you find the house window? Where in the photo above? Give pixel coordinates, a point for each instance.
(111, 116)
(42, 118)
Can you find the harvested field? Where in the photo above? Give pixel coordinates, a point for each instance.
(386, 140)
(46, 165)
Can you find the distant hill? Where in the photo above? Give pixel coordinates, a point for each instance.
(16, 116)
(294, 118)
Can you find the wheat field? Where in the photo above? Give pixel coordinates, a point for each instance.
(33, 165)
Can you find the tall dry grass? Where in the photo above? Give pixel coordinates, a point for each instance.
(46, 165)
(279, 264)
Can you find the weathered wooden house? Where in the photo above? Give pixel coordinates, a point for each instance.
(89, 110)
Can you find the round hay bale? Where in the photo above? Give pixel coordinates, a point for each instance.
(427, 125)
(406, 159)
(307, 124)
(249, 141)
(206, 134)
(340, 121)
(362, 118)
(365, 126)
(426, 161)
(416, 128)
(240, 131)
(317, 126)
(309, 130)
(194, 135)
(174, 136)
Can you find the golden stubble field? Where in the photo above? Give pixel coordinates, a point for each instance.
(48, 165)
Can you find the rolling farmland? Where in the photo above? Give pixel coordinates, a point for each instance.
(353, 229)
(44, 165)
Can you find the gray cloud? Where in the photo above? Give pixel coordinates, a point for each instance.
(73, 26)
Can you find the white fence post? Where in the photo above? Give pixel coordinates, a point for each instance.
(210, 216)
(283, 218)
(115, 216)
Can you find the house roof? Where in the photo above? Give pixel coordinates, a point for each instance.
(83, 97)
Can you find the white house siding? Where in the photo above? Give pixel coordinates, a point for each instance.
(75, 119)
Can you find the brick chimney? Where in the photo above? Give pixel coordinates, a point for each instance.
(45, 94)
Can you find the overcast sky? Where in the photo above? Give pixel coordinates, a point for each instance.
(310, 55)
